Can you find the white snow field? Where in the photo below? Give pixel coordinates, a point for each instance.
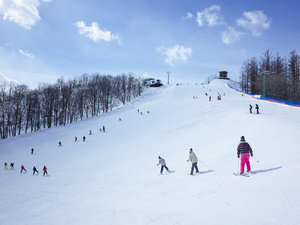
(113, 177)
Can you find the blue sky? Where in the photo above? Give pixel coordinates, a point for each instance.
(42, 40)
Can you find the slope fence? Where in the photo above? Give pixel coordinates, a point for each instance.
(275, 100)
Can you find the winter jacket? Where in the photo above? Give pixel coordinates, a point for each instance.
(244, 149)
(45, 169)
(193, 158)
(162, 162)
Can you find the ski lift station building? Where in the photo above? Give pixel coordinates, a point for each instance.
(223, 75)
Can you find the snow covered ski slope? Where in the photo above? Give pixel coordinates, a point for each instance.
(113, 177)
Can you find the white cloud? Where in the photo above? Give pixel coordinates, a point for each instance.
(178, 53)
(255, 21)
(23, 12)
(188, 16)
(230, 35)
(95, 33)
(5, 79)
(210, 16)
(27, 54)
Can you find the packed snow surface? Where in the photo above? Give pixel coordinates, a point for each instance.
(113, 177)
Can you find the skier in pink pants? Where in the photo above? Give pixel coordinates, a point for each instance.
(244, 150)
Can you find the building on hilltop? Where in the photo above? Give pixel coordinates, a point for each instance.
(151, 82)
(223, 75)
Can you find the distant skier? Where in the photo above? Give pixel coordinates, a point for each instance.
(162, 162)
(120, 119)
(75, 139)
(103, 128)
(209, 98)
(194, 160)
(83, 138)
(35, 170)
(12, 166)
(244, 150)
(59, 144)
(45, 171)
(138, 110)
(250, 108)
(32, 150)
(23, 169)
(5, 166)
(141, 113)
(90, 132)
(100, 129)
(257, 108)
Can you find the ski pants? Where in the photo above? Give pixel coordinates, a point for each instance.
(194, 166)
(45, 172)
(22, 170)
(245, 160)
(162, 168)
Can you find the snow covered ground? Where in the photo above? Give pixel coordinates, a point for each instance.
(112, 178)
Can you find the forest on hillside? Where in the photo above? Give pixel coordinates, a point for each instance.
(274, 76)
(24, 110)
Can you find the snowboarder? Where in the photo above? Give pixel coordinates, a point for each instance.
(75, 139)
(35, 170)
(83, 138)
(103, 128)
(12, 166)
(162, 162)
(23, 168)
(244, 150)
(250, 108)
(45, 171)
(59, 144)
(32, 150)
(257, 108)
(5, 166)
(90, 132)
(193, 159)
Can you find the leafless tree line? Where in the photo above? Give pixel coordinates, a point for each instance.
(25, 110)
(282, 76)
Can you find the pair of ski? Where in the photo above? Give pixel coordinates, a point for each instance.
(244, 174)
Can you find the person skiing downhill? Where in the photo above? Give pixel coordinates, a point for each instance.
(75, 139)
(5, 166)
(45, 171)
(83, 138)
(59, 144)
(12, 166)
(162, 162)
(103, 128)
(194, 160)
(244, 150)
(90, 132)
(250, 107)
(32, 150)
(23, 168)
(257, 108)
(35, 170)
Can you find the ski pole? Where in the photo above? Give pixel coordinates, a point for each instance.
(238, 165)
(255, 159)
(204, 164)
